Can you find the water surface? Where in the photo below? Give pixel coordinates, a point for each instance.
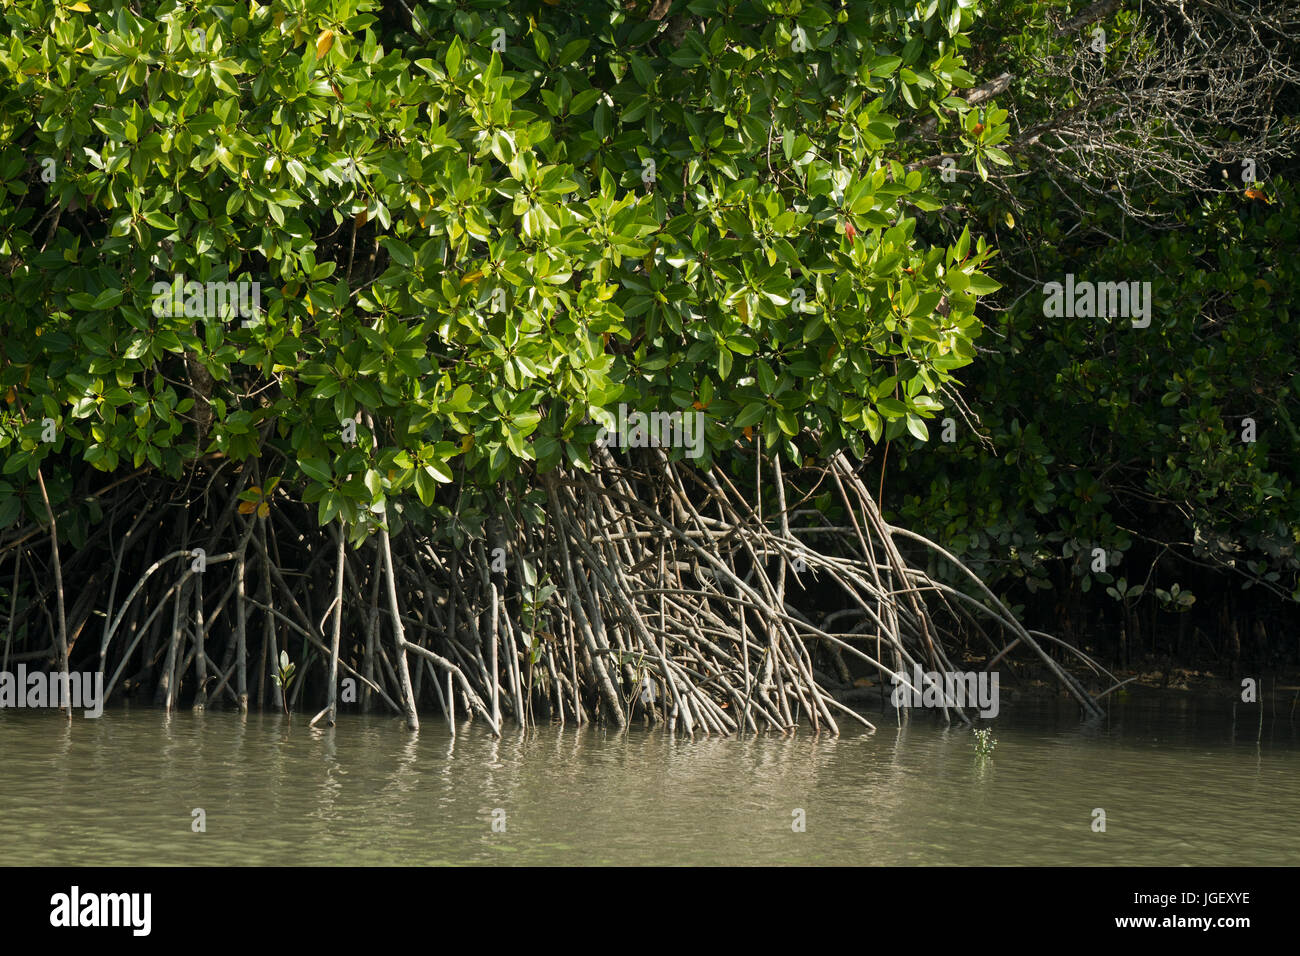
(1181, 782)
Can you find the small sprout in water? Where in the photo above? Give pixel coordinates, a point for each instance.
(984, 742)
(284, 677)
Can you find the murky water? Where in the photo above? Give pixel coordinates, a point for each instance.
(1180, 783)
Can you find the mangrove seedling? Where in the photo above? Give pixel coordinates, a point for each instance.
(284, 677)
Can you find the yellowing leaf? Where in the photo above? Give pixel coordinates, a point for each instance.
(80, 8)
(247, 507)
(1010, 220)
(263, 510)
(324, 43)
(743, 308)
(467, 443)
(472, 277)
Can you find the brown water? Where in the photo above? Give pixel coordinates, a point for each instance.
(1181, 782)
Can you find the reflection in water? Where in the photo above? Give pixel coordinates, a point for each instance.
(1182, 782)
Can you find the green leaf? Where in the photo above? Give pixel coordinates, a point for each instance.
(160, 220)
(439, 471)
(998, 156)
(400, 251)
(751, 414)
(916, 425)
(316, 469)
(11, 507)
(107, 299)
(455, 56)
(572, 50)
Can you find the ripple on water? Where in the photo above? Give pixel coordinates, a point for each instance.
(1184, 784)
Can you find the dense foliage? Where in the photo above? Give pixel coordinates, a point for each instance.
(1172, 448)
(481, 239)
(479, 230)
